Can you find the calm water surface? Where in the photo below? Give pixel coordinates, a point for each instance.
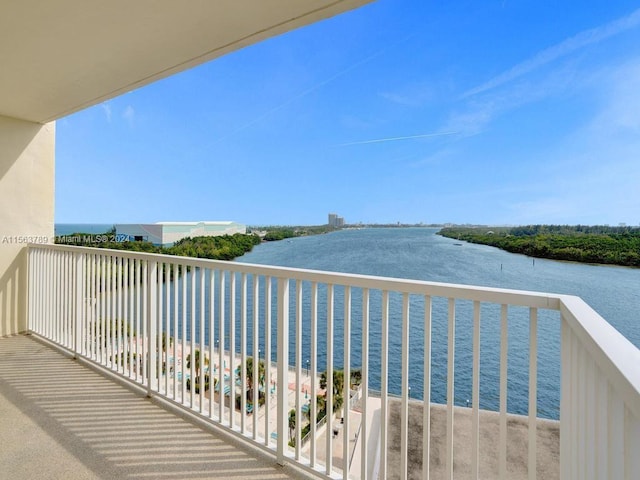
(418, 253)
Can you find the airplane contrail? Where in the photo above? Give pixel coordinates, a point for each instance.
(393, 139)
(313, 88)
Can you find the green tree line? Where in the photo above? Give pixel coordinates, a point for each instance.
(223, 247)
(588, 244)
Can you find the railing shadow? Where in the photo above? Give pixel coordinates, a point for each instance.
(109, 429)
(13, 285)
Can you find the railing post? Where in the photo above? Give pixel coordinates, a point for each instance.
(79, 297)
(283, 370)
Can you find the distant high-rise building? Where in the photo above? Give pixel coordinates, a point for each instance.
(335, 220)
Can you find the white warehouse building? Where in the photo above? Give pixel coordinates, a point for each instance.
(168, 233)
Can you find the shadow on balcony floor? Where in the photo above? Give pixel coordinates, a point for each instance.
(62, 420)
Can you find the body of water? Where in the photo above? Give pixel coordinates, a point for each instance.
(69, 228)
(418, 253)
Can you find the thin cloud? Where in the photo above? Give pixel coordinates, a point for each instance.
(129, 114)
(107, 110)
(395, 139)
(570, 45)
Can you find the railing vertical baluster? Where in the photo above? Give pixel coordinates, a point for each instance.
(43, 297)
(346, 393)
(109, 318)
(475, 428)
(183, 353)
(167, 338)
(47, 283)
(127, 318)
(426, 408)
(139, 322)
(313, 411)
(283, 367)
(232, 347)
(60, 321)
(95, 313)
(143, 357)
(221, 335)
(192, 338)
(35, 300)
(152, 336)
(160, 338)
(211, 339)
(55, 285)
(119, 317)
(298, 366)
(504, 349)
(384, 385)
(364, 386)
(30, 290)
(60, 283)
(203, 357)
(267, 357)
(114, 312)
(533, 390)
(404, 412)
(243, 353)
(174, 281)
(43, 282)
(79, 298)
(60, 298)
(33, 290)
(329, 389)
(450, 385)
(256, 357)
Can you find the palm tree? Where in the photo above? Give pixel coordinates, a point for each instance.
(292, 422)
(197, 363)
(338, 386)
(249, 375)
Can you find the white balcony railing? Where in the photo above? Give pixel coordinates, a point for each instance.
(142, 315)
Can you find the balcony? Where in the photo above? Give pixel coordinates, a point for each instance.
(140, 317)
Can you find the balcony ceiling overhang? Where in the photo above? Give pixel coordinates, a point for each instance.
(58, 57)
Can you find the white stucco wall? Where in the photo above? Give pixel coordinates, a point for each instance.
(27, 182)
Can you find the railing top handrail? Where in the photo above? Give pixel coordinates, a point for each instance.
(418, 287)
(615, 355)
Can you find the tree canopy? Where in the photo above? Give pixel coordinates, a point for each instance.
(580, 243)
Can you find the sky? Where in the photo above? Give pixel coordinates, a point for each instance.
(493, 112)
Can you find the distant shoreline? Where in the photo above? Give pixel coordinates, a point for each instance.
(599, 245)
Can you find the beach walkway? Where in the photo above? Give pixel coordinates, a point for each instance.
(62, 420)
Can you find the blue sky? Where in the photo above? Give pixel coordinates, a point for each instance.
(518, 112)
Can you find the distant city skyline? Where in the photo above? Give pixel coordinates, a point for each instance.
(499, 112)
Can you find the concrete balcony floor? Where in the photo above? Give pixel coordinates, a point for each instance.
(62, 420)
